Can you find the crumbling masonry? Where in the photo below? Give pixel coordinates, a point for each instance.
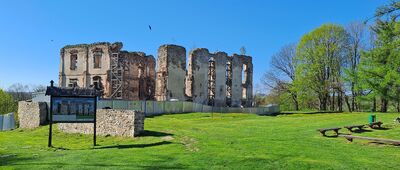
(171, 71)
(214, 79)
(119, 74)
(219, 80)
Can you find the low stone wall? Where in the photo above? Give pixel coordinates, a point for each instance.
(31, 114)
(127, 123)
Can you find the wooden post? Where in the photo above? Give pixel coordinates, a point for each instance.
(94, 128)
(51, 117)
(50, 132)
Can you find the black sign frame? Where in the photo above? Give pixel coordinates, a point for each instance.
(52, 96)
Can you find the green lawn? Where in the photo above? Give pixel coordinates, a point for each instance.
(226, 141)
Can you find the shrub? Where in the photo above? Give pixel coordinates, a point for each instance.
(7, 103)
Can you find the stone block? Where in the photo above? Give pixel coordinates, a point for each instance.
(125, 123)
(31, 114)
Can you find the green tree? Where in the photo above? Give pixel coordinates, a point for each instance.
(380, 67)
(319, 60)
(7, 103)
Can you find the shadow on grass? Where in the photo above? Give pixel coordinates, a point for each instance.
(163, 114)
(154, 134)
(9, 159)
(311, 112)
(161, 162)
(381, 128)
(59, 148)
(62, 165)
(134, 145)
(331, 136)
(383, 143)
(361, 130)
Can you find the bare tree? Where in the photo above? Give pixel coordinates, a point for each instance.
(357, 43)
(282, 72)
(19, 91)
(38, 88)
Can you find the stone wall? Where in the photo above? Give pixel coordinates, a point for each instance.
(197, 81)
(126, 123)
(221, 60)
(85, 70)
(171, 65)
(136, 68)
(31, 114)
(233, 86)
(138, 76)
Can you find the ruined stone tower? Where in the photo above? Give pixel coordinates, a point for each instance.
(119, 74)
(219, 80)
(171, 71)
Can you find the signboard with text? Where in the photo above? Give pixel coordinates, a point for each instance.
(73, 109)
(72, 105)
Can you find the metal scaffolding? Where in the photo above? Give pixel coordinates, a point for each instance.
(116, 76)
(211, 81)
(228, 83)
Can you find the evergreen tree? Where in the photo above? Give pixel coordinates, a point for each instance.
(379, 69)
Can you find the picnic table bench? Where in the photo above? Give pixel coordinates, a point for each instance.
(390, 141)
(375, 124)
(335, 129)
(350, 128)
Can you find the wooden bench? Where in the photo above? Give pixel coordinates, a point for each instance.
(380, 140)
(336, 130)
(350, 128)
(375, 124)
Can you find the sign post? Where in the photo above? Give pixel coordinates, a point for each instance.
(94, 123)
(51, 119)
(72, 105)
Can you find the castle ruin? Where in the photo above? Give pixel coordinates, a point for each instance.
(214, 79)
(119, 74)
(219, 80)
(171, 72)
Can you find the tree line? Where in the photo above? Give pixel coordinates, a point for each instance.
(16, 92)
(335, 68)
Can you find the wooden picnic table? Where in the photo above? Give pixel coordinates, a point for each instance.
(335, 129)
(350, 128)
(373, 125)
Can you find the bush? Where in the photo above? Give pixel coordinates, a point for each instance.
(7, 103)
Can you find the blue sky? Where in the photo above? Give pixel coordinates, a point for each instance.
(32, 31)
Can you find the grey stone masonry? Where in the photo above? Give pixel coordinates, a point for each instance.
(31, 114)
(125, 123)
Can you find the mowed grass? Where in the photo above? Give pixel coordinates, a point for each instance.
(198, 141)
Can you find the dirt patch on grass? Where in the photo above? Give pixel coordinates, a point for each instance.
(190, 144)
(167, 138)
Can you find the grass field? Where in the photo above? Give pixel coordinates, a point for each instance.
(226, 141)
